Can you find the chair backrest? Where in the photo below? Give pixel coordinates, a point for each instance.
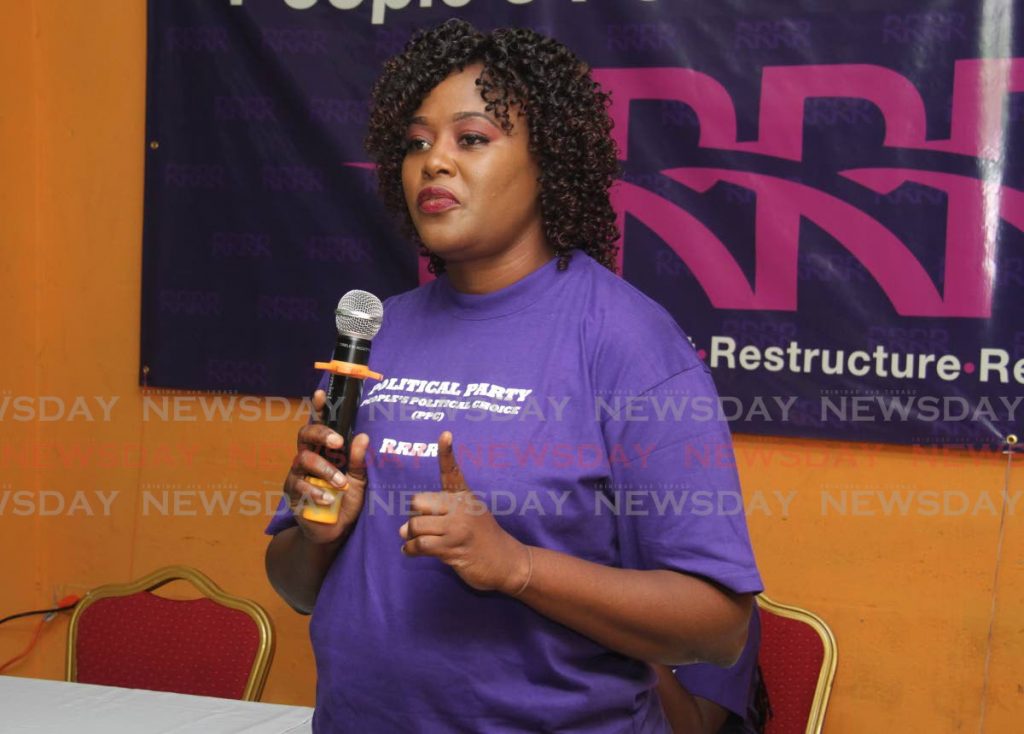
(798, 662)
(124, 635)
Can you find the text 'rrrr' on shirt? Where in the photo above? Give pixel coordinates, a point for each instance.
(570, 398)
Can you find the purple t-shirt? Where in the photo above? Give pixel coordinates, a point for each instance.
(733, 688)
(570, 396)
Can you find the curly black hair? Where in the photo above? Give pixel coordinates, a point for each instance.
(568, 122)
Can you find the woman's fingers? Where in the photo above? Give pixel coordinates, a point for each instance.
(357, 457)
(315, 435)
(423, 525)
(302, 493)
(319, 401)
(314, 465)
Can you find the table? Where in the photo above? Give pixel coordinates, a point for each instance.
(34, 706)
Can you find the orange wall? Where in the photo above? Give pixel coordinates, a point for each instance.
(909, 597)
(18, 539)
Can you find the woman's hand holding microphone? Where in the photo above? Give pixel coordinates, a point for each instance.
(346, 489)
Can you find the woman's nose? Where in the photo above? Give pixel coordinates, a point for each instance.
(439, 161)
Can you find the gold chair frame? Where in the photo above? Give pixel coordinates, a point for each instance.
(827, 674)
(264, 652)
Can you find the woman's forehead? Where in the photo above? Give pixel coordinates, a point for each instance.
(458, 92)
(458, 96)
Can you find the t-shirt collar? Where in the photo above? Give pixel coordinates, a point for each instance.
(502, 302)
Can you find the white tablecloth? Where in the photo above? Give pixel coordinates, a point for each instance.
(33, 706)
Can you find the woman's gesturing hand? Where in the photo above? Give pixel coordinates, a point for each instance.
(454, 526)
(308, 462)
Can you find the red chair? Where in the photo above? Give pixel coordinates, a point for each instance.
(798, 662)
(216, 645)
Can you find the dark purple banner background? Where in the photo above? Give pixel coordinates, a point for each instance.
(829, 201)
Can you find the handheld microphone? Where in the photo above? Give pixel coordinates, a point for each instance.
(358, 318)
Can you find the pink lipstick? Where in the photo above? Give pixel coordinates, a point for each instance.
(436, 199)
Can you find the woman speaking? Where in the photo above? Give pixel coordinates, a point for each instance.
(516, 565)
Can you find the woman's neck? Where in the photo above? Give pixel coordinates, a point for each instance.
(489, 274)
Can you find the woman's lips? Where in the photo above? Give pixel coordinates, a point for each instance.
(434, 199)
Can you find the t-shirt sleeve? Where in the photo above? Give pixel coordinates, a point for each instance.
(678, 503)
(732, 688)
(283, 518)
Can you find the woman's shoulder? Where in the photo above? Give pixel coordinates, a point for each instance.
(627, 327)
(410, 297)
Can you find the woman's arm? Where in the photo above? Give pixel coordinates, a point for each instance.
(296, 567)
(660, 616)
(686, 713)
(298, 558)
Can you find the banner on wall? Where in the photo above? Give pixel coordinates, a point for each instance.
(829, 201)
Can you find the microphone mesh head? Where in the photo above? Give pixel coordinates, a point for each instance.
(359, 314)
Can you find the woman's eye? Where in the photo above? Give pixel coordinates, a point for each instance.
(415, 144)
(474, 139)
